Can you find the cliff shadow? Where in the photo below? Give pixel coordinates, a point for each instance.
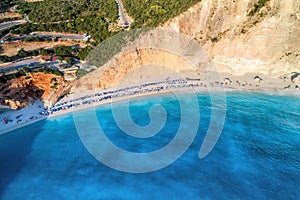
(14, 148)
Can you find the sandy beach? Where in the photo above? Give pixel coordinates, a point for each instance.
(76, 101)
(211, 83)
(15, 119)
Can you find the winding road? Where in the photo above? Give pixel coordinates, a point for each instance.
(122, 17)
(31, 63)
(61, 36)
(7, 25)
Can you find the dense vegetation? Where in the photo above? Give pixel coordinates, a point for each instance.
(10, 19)
(151, 13)
(65, 51)
(18, 74)
(80, 16)
(5, 58)
(83, 52)
(5, 5)
(92, 16)
(62, 10)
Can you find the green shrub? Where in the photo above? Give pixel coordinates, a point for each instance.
(54, 86)
(22, 53)
(83, 52)
(257, 7)
(63, 51)
(5, 58)
(53, 80)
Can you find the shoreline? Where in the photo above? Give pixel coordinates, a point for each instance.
(14, 119)
(5, 131)
(183, 90)
(197, 90)
(117, 99)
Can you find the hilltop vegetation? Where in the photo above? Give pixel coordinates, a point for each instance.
(80, 16)
(150, 13)
(62, 10)
(94, 16)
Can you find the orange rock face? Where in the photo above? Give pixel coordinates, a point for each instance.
(19, 92)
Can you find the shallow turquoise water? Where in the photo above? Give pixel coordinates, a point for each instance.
(256, 157)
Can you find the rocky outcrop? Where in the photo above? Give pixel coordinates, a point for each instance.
(241, 39)
(295, 78)
(22, 91)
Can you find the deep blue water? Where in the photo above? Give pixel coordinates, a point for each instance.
(256, 157)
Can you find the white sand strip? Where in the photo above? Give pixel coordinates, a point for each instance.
(15, 119)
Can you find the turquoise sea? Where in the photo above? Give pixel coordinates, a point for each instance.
(256, 157)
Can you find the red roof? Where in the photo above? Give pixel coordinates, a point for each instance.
(54, 58)
(46, 58)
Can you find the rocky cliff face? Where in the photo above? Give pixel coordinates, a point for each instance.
(154, 55)
(246, 36)
(131, 67)
(22, 91)
(239, 37)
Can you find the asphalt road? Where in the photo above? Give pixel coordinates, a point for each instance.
(125, 22)
(3, 36)
(30, 63)
(51, 36)
(7, 25)
(62, 36)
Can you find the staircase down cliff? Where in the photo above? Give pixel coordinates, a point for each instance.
(246, 36)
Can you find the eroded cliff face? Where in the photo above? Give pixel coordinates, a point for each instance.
(154, 55)
(22, 91)
(241, 39)
(132, 67)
